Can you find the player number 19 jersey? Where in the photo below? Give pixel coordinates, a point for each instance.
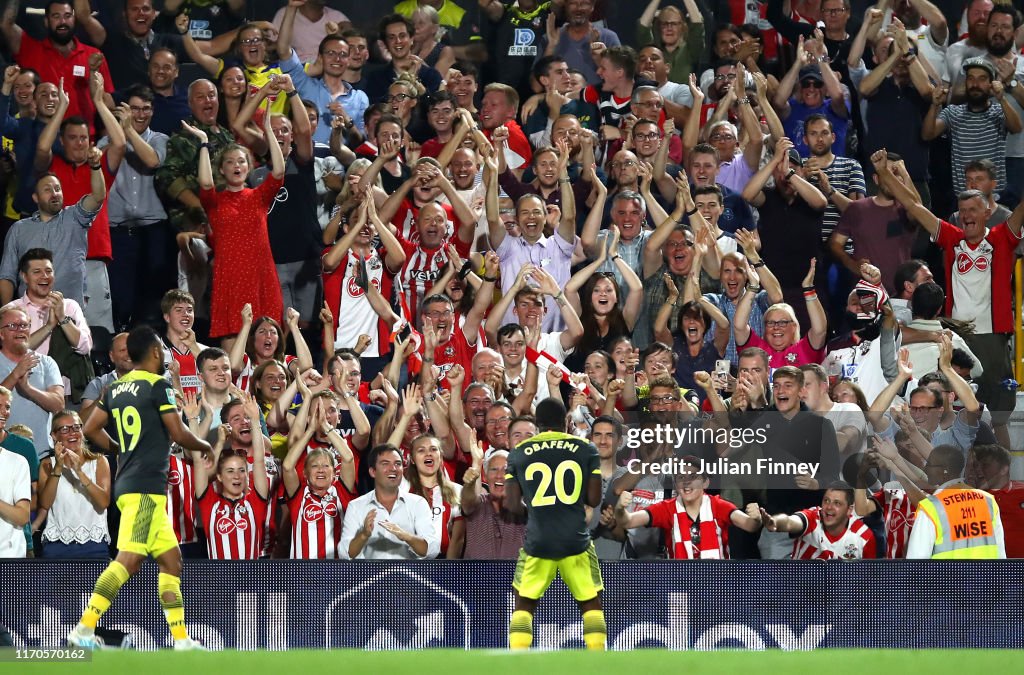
(553, 470)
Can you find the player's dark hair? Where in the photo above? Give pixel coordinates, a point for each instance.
(139, 91)
(938, 377)
(925, 391)
(225, 410)
(140, 341)
(209, 354)
(608, 419)
(543, 65)
(550, 415)
(658, 348)
(997, 453)
(949, 456)
(906, 272)
(377, 451)
(928, 300)
(392, 19)
(817, 117)
(842, 486)
(961, 359)
(33, 254)
(73, 121)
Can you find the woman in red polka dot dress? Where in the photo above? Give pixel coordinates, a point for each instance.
(243, 265)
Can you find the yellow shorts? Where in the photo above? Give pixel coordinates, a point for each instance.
(580, 572)
(145, 527)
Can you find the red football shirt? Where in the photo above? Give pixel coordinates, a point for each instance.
(52, 65)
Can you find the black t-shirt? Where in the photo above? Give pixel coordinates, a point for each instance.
(515, 43)
(553, 469)
(790, 237)
(895, 116)
(292, 220)
(128, 60)
(135, 405)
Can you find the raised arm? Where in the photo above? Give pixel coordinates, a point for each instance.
(97, 183)
(880, 405)
(868, 33)
(749, 124)
(782, 94)
(210, 64)
(819, 321)
(934, 127)
(691, 130)
(635, 299)
(662, 333)
(205, 171)
(237, 355)
(904, 195)
(44, 146)
(588, 238)
(577, 281)
(12, 32)
(115, 151)
(741, 320)
(753, 192)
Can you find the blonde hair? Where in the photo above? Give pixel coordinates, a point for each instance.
(786, 309)
(87, 453)
(410, 82)
(21, 430)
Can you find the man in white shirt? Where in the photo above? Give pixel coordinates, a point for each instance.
(847, 418)
(405, 530)
(15, 502)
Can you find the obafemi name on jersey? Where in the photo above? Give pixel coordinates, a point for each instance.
(553, 469)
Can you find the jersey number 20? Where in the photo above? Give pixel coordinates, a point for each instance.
(562, 494)
(129, 424)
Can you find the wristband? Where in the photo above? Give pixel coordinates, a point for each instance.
(808, 288)
(65, 321)
(95, 167)
(467, 267)
(829, 195)
(289, 94)
(810, 295)
(759, 263)
(490, 279)
(204, 144)
(616, 256)
(692, 212)
(790, 174)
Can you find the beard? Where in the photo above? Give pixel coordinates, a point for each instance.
(997, 49)
(60, 38)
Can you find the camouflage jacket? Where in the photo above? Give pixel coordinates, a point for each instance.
(179, 170)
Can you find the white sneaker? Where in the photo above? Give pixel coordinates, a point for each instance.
(79, 639)
(189, 645)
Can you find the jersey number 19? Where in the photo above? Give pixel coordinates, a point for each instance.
(543, 497)
(129, 424)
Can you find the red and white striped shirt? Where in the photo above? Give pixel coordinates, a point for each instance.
(854, 543)
(353, 314)
(898, 514)
(316, 522)
(422, 268)
(405, 220)
(188, 373)
(443, 514)
(181, 500)
(713, 522)
(300, 464)
(270, 520)
(248, 368)
(233, 528)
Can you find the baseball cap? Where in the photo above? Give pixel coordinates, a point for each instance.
(979, 62)
(794, 158)
(810, 73)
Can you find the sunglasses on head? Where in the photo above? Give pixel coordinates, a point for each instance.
(812, 83)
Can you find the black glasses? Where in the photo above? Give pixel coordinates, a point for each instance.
(66, 428)
(812, 83)
(778, 324)
(398, 98)
(15, 326)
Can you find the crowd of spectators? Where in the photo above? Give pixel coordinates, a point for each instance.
(373, 245)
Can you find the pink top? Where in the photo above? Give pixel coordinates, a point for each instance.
(797, 355)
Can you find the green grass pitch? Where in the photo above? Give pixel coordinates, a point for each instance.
(498, 662)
